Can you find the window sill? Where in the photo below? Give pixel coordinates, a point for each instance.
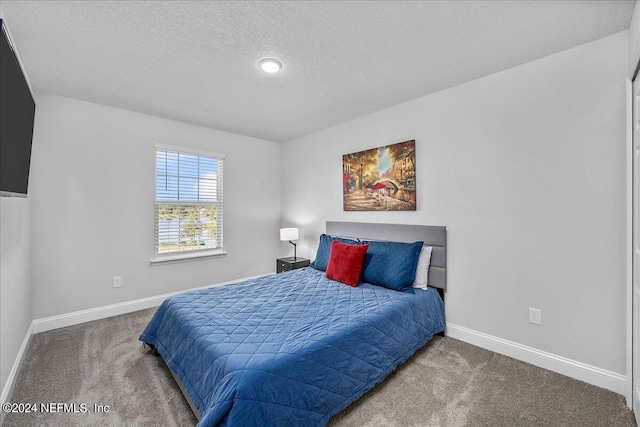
(164, 259)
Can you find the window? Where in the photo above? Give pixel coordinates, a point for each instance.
(188, 207)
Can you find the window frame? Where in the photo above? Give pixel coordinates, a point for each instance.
(193, 254)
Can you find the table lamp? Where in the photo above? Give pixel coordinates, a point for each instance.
(290, 234)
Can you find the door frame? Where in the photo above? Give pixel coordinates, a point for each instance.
(629, 247)
(634, 65)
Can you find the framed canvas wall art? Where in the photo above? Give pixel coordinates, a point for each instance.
(380, 179)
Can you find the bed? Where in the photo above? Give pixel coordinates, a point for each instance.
(295, 348)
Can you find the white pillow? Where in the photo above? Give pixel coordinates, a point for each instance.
(422, 271)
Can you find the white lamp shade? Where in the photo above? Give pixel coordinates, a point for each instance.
(288, 234)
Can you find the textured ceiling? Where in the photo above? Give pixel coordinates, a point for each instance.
(197, 61)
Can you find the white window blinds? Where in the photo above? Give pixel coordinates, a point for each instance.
(188, 207)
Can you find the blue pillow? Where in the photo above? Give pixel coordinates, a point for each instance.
(324, 249)
(391, 264)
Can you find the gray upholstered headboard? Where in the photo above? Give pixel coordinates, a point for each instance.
(435, 236)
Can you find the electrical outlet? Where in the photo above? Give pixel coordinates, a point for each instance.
(117, 281)
(535, 316)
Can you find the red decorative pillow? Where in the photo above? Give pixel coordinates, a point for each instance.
(345, 262)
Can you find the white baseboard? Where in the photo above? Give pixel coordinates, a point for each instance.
(571, 368)
(13, 374)
(97, 313)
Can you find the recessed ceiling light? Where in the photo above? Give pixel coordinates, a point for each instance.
(270, 65)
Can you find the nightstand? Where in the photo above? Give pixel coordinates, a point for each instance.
(291, 263)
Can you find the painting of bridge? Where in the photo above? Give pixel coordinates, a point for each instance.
(380, 179)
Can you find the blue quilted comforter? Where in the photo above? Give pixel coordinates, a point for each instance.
(290, 349)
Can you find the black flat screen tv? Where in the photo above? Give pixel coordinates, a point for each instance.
(17, 111)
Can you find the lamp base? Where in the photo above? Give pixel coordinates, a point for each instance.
(294, 250)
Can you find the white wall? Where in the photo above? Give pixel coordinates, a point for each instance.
(634, 36)
(15, 279)
(92, 187)
(526, 168)
(15, 274)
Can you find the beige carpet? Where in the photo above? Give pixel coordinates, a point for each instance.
(447, 383)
